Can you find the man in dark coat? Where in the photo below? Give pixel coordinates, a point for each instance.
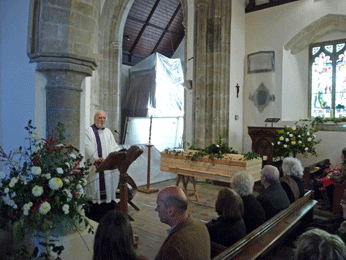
(273, 198)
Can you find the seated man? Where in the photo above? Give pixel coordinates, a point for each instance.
(187, 238)
(273, 198)
(317, 244)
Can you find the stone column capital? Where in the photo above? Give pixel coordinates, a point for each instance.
(63, 61)
(202, 3)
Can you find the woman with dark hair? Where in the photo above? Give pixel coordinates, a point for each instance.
(229, 227)
(114, 239)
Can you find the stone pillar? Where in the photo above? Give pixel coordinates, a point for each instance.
(200, 73)
(61, 39)
(212, 57)
(63, 92)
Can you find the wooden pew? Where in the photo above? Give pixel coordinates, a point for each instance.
(309, 172)
(271, 233)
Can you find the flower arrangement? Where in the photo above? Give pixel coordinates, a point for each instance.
(213, 151)
(295, 140)
(44, 185)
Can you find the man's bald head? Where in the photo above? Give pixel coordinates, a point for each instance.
(174, 196)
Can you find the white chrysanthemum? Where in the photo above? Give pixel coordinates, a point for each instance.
(68, 165)
(308, 133)
(2, 175)
(66, 181)
(285, 145)
(294, 128)
(44, 208)
(314, 136)
(281, 138)
(25, 212)
(293, 142)
(59, 170)
(287, 140)
(299, 142)
(55, 183)
(288, 133)
(279, 142)
(66, 208)
(36, 170)
(30, 204)
(73, 156)
(69, 194)
(299, 136)
(306, 148)
(48, 176)
(291, 135)
(24, 180)
(80, 190)
(37, 191)
(7, 190)
(272, 144)
(26, 206)
(309, 139)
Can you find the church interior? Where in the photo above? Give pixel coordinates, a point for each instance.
(242, 62)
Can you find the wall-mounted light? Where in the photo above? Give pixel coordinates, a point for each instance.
(127, 38)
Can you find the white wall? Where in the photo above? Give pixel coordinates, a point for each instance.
(237, 75)
(17, 76)
(272, 29)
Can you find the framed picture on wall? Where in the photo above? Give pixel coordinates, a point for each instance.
(262, 61)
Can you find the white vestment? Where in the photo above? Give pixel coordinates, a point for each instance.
(111, 177)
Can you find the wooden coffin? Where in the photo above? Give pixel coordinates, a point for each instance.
(217, 169)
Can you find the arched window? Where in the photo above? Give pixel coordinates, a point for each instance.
(327, 79)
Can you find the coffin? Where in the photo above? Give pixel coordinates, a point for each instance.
(216, 169)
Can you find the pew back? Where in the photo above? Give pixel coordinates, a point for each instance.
(273, 232)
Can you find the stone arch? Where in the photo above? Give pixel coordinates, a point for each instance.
(319, 28)
(107, 88)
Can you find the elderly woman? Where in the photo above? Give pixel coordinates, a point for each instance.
(292, 181)
(229, 227)
(254, 214)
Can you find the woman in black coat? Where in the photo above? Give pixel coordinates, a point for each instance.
(254, 214)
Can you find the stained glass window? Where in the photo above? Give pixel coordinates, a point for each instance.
(328, 79)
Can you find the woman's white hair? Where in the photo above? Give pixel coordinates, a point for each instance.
(243, 183)
(292, 167)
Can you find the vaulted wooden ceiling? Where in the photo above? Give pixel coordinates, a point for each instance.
(156, 26)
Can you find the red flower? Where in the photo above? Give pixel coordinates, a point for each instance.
(35, 159)
(74, 194)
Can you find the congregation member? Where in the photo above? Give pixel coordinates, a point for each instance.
(273, 198)
(292, 181)
(229, 227)
(101, 188)
(114, 238)
(187, 238)
(254, 214)
(317, 244)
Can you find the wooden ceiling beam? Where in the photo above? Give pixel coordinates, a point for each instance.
(152, 25)
(144, 26)
(251, 8)
(166, 29)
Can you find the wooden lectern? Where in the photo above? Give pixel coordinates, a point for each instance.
(122, 160)
(262, 139)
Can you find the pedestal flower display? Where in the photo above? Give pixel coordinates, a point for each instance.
(295, 140)
(42, 192)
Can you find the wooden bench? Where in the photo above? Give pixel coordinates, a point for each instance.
(309, 172)
(272, 233)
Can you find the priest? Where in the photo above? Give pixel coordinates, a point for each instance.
(99, 142)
